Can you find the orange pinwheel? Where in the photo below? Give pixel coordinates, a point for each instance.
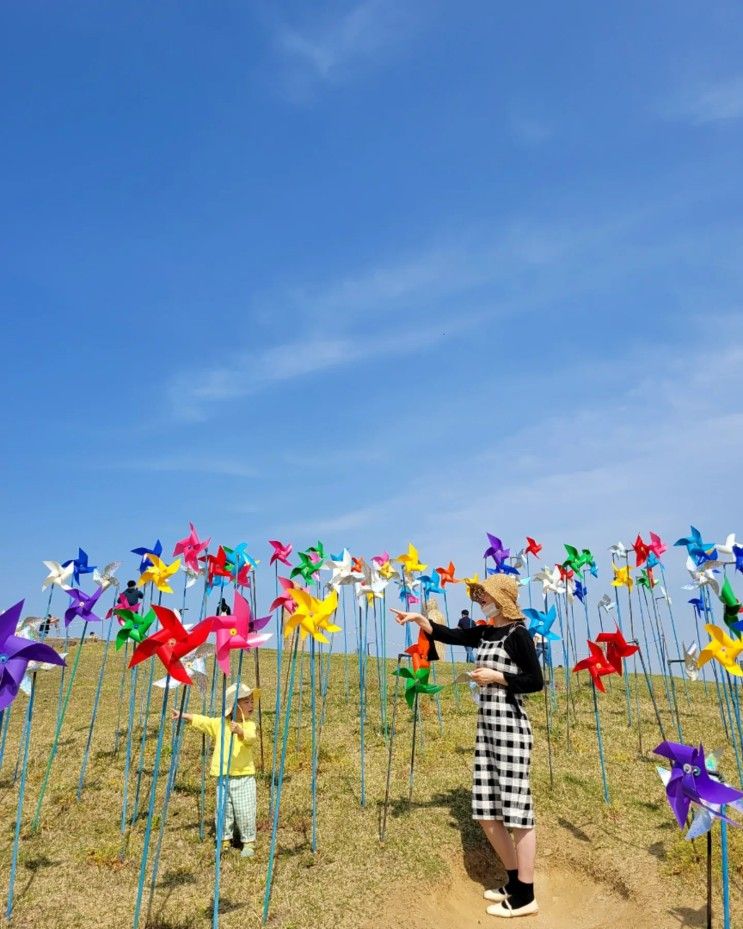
(420, 651)
(446, 575)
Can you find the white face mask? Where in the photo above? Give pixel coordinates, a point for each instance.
(490, 609)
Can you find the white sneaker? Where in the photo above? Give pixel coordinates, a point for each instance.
(496, 896)
(506, 911)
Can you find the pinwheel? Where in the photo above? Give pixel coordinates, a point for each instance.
(551, 579)
(501, 567)
(318, 551)
(540, 623)
(698, 605)
(195, 665)
(738, 553)
(566, 573)
(216, 566)
(158, 573)
(192, 576)
(79, 565)
(646, 579)
(239, 557)
(171, 643)
(144, 553)
(342, 568)
(723, 649)
(312, 616)
(617, 648)
(372, 585)
(381, 558)
(190, 548)
(133, 626)
(578, 590)
(284, 600)
(641, 551)
(596, 664)
(107, 577)
(690, 781)
(618, 550)
(431, 584)
(606, 603)
(577, 560)
(307, 568)
(699, 550)
(691, 661)
(701, 577)
(446, 575)
(656, 545)
(416, 682)
(82, 606)
(731, 608)
(519, 560)
(532, 547)
(726, 547)
(58, 574)
(280, 552)
(622, 578)
(237, 630)
(420, 651)
(16, 652)
(387, 571)
(410, 560)
(495, 550)
(122, 604)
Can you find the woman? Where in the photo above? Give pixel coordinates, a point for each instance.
(507, 667)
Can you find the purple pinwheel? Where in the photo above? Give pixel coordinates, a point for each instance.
(82, 606)
(690, 782)
(143, 552)
(15, 654)
(80, 565)
(495, 550)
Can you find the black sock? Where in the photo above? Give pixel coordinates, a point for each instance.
(521, 894)
(513, 879)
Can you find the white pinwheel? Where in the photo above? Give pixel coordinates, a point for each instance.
(663, 595)
(342, 569)
(606, 603)
(107, 577)
(28, 629)
(518, 560)
(551, 580)
(371, 585)
(726, 547)
(195, 665)
(619, 549)
(691, 659)
(58, 575)
(192, 576)
(704, 577)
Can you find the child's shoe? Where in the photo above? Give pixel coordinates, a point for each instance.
(248, 850)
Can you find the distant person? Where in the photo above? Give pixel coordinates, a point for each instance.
(466, 622)
(224, 608)
(238, 765)
(46, 625)
(133, 594)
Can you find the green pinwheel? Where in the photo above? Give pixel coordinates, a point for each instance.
(731, 607)
(646, 579)
(578, 560)
(308, 567)
(133, 626)
(417, 683)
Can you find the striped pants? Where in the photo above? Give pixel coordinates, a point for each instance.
(240, 808)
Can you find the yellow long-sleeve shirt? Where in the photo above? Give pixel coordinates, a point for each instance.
(243, 762)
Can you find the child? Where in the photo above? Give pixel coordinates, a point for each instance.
(240, 785)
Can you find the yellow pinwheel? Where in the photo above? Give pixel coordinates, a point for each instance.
(723, 648)
(311, 616)
(469, 581)
(622, 578)
(157, 573)
(387, 571)
(411, 561)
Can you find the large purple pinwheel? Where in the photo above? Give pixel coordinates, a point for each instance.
(689, 781)
(82, 606)
(495, 550)
(15, 654)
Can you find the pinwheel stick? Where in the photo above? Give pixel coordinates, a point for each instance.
(313, 749)
(57, 732)
(412, 749)
(277, 704)
(651, 692)
(600, 743)
(669, 662)
(145, 715)
(548, 719)
(385, 807)
(280, 784)
(21, 797)
(725, 871)
(120, 701)
(128, 752)
(4, 724)
(93, 715)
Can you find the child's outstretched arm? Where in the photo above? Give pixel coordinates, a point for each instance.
(187, 716)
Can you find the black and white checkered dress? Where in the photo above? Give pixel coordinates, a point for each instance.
(500, 785)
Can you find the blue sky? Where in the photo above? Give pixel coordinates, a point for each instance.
(368, 272)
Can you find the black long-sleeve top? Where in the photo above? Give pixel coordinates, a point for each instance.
(519, 647)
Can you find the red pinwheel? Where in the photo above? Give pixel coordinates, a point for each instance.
(190, 548)
(565, 573)
(420, 651)
(446, 575)
(532, 546)
(82, 605)
(216, 566)
(641, 550)
(281, 552)
(243, 575)
(596, 664)
(15, 654)
(172, 643)
(285, 600)
(617, 648)
(237, 630)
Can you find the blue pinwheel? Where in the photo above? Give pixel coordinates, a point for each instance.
(652, 560)
(431, 583)
(697, 548)
(80, 565)
(240, 557)
(82, 606)
(540, 623)
(698, 605)
(738, 552)
(502, 568)
(579, 589)
(143, 552)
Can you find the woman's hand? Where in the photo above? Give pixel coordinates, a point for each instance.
(404, 616)
(484, 676)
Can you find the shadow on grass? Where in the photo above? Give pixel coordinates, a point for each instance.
(688, 917)
(34, 865)
(573, 829)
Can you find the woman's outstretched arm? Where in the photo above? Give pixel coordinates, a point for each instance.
(467, 637)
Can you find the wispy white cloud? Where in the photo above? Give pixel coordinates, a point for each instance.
(182, 463)
(721, 101)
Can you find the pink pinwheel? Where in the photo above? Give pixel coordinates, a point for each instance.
(123, 604)
(82, 606)
(656, 545)
(237, 630)
(281, 552)
(285, 600)
(15, 654)
(191, 547)
(381, 558)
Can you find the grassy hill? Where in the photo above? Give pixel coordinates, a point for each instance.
(73, 874)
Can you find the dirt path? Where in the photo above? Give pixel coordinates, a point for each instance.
(567, 900)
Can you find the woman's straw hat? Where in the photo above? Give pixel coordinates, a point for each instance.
(504, 589)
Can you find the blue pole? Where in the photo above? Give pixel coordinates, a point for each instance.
(313, 710)
(86, 753)
(128, 751)
(21, 796)
(599, 739)
(725, 872)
